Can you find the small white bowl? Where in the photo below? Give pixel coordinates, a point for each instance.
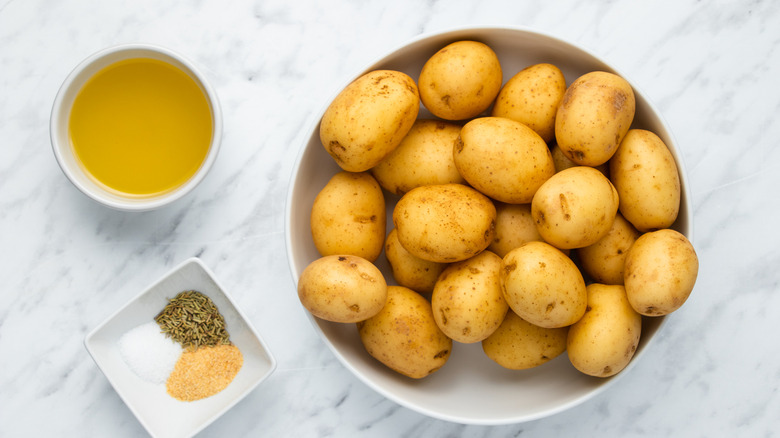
(161, 414)
(469, 388)
(60, 116)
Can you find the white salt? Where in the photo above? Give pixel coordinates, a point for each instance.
(149, 353)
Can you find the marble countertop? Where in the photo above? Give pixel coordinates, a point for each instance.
(66, 263)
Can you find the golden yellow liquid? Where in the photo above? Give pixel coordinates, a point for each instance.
(140, 127)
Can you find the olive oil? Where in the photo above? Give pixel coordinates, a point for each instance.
(140, 127)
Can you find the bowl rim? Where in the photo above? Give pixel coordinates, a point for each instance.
(60, 114)
(453, 33)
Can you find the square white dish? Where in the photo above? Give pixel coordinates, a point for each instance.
(161, 414)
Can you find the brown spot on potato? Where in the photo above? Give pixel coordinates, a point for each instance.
(354, 308)
(336, 149)
(619, 99)
(379, 78)
(342, 258)
(365, 219)
(607, 369)
(564, 207)
(550, 307)
(458, 145)
(510, 267)
(441, 354)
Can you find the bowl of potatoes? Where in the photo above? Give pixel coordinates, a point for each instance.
(489, 225)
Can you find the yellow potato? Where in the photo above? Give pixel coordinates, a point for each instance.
(645, 175)
(543, 286)
(424, 157)
(369, 118)
(575, 208)
(518, 345)
(596, 112)
(604, 260)
(403, 335)
(603, 342)
(342, 288)
(503, 159)
(467, 301)
(410, 271)
(532, 97)
(349, 216)
(661, 270)
(444, 223)
(514, 227)
(461, 80)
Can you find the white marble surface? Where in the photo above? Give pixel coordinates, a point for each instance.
(66, 263)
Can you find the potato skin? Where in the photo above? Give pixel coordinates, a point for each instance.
(531, 97)
(342, 288)
(503, 159)
(467, 301)
(444, 223)
(404, 336)
(604, 261)
(461, 80)
(514, 227)
(424, 157)
(518, 345)
(543, 286)
(563, 162)
(602, 343)
(645, 175)
(369, 118)
(575, 207)
(349, 216)
(410, 271)
(660, 272)
(596, 112)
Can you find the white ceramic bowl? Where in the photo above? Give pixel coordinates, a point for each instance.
(470, 388)
(161, 414)
(60, 117)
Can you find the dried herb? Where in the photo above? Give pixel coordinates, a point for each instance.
(193, 320)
